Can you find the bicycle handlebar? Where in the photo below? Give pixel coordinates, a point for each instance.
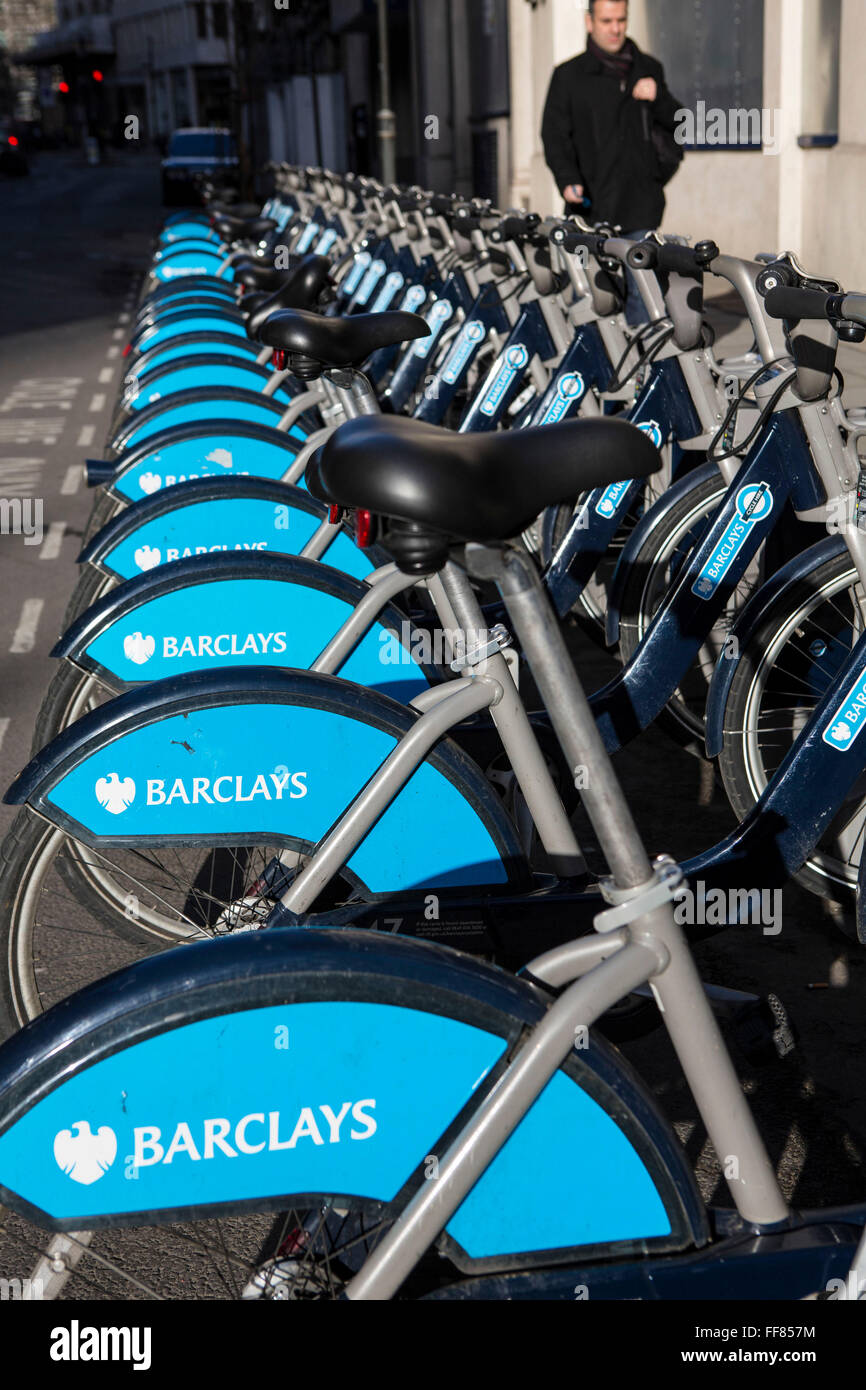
(785, 302)
(681, 260)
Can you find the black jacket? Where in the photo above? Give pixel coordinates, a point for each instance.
(596, 134)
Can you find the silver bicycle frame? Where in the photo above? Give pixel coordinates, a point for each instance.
(648, 946)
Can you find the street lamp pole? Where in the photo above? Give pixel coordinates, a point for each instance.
(386, 119)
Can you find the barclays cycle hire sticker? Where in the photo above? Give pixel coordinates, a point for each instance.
(209, 625)
(754, 504)
(413, 299)
(849, 719)
(288, 770)
(512, 361)
(609, 502)
(189, 459)
(236, 524)
(440, 311)
(309, 237)
(353, 279)
(370, 281)
(392, 285)
(568, 392)
(271, 1110)
(471, 336)
(324, 245)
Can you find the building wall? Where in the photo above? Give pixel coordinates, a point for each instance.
(20, 22)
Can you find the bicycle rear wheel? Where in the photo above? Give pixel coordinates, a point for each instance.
(781, 676)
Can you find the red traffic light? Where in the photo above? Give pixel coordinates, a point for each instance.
(96, 75)
(13, 140)
(63, 87)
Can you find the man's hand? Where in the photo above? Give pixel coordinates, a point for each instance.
(574, 193)
(645, 90)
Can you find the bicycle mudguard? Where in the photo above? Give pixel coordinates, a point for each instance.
(212, 449)
(191, 408)
(189, 348)
(195, 243)
(216, 611)
(214, 515)
(210, 293)
(229, 757)
(748, 622)
(339, 1066)
(652, 520)
(178, 231)
(177, 323)
(180, 264)
(210, 371)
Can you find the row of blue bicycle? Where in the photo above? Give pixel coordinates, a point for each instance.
(375, 449)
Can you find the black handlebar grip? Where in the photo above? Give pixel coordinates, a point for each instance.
(514, 227)
(671, 258)
(573, 241)
(785, 302)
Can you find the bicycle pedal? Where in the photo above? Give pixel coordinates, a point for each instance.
(764, 1032)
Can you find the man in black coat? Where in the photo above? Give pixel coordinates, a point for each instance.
(598, 127)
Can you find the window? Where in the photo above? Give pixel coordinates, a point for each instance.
(713, 56)
(201, 19)
(220, 20)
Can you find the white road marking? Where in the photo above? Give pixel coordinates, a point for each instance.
(86, 437)
(20, 477)
(123, 318)
(118, 334)
(98, 402)
(72, 480)
(112, 353)
(105, 375)
(25, 633)
(35, 393)
(38, 431)
(51, 545)
(4, 725)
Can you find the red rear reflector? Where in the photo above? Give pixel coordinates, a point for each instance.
(363, 528)
(335, 515)
(127, 350)
(281, 358)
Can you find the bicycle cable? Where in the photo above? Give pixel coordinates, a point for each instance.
(645, 357)
(731, 417)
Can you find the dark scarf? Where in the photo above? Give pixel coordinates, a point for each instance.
(618, 65)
